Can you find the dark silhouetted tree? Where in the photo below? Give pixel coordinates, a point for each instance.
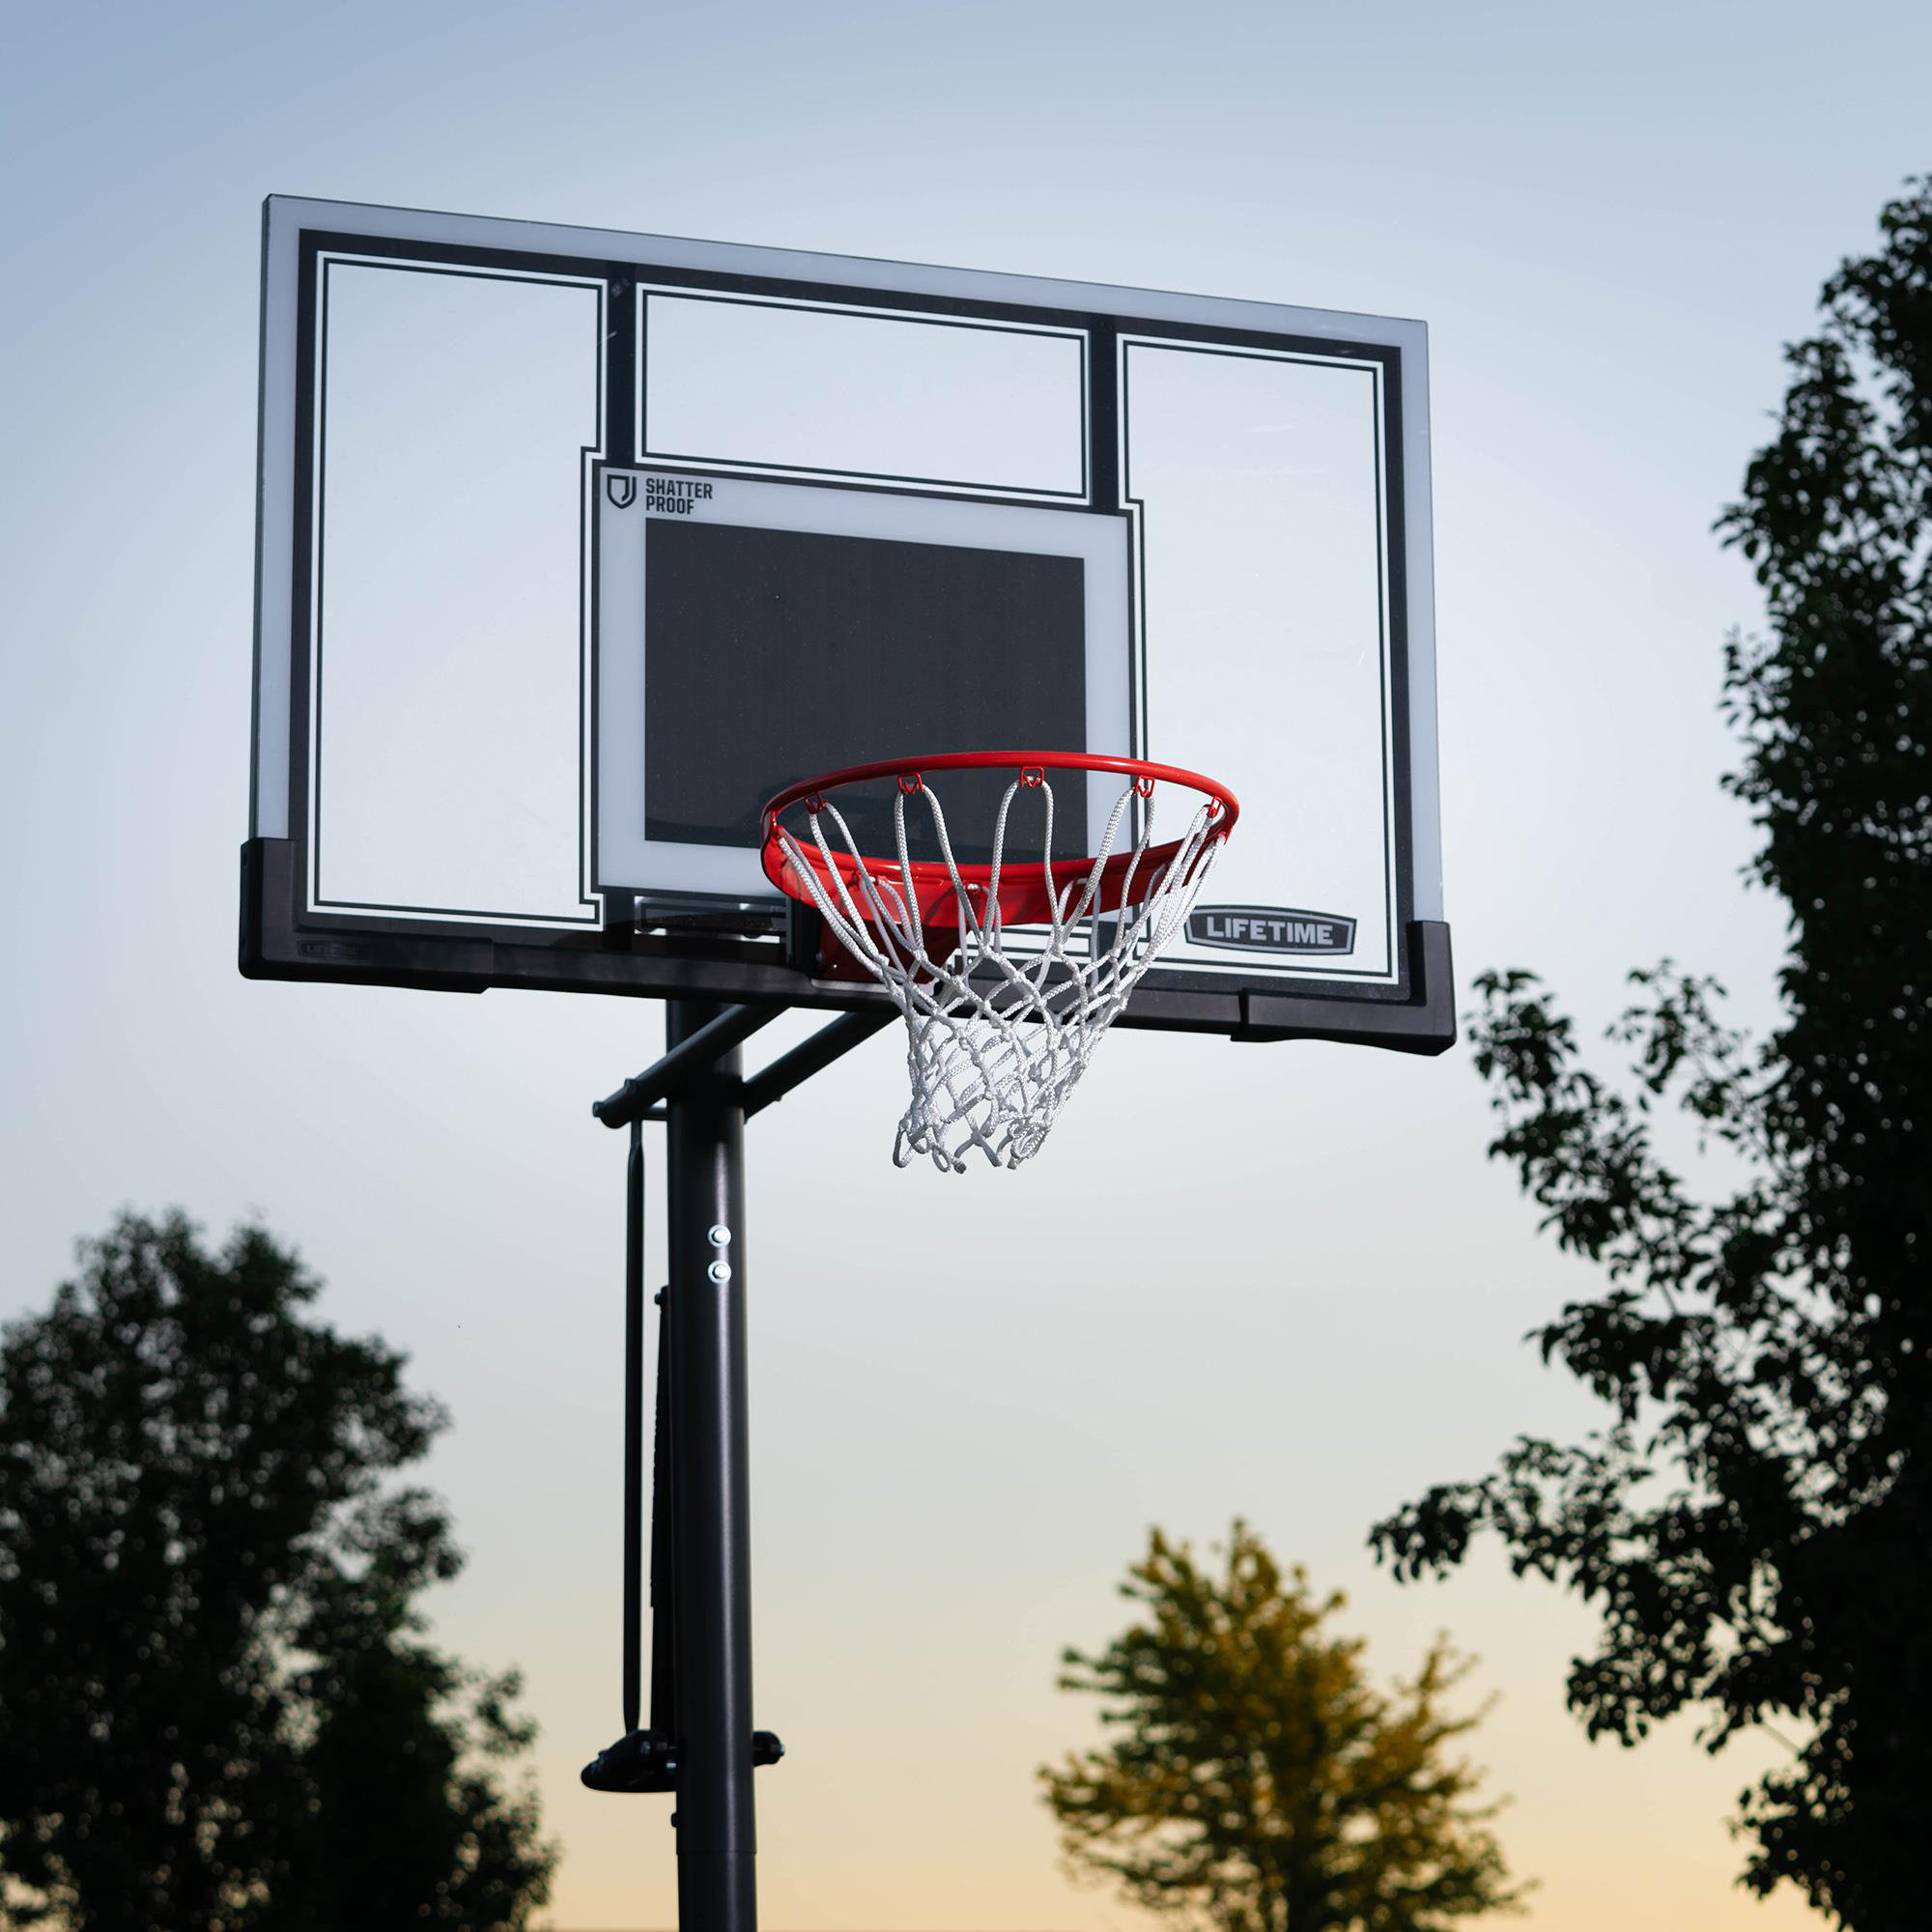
(1257, 1782)
(1755, 1522)
(218, 1709)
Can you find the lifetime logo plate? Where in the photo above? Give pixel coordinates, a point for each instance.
(1271, 929)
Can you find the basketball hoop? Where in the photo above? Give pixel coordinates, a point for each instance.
(1007, 973)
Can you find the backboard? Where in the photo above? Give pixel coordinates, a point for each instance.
(577, 546)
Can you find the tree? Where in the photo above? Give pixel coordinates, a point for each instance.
(1257, 1783)
(1755, 1522)
(217, 1711)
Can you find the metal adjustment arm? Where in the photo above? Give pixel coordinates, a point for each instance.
(688, 1059)
(694, 1059)
(633, 1418)
(815, 1055)
(641, 1760)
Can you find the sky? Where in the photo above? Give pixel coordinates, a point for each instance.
(1275, 1282)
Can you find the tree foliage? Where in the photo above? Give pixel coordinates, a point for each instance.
(218, 1709)
(1754, 1524)
(1257, 1781)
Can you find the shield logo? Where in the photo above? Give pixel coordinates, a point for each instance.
(622, 491)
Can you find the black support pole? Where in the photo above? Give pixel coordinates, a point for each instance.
(716, 1841)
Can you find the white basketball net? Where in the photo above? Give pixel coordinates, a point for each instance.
(996, 1042)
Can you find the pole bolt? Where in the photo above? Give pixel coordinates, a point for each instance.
(720, 1236)
(719, 1271)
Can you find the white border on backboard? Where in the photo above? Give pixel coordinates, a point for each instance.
(625, 859)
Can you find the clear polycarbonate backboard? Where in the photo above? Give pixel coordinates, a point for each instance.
(575, 546)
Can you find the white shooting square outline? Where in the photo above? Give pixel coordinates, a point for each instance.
(624, 859)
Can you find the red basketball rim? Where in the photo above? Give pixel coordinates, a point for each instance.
(1029, 889)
